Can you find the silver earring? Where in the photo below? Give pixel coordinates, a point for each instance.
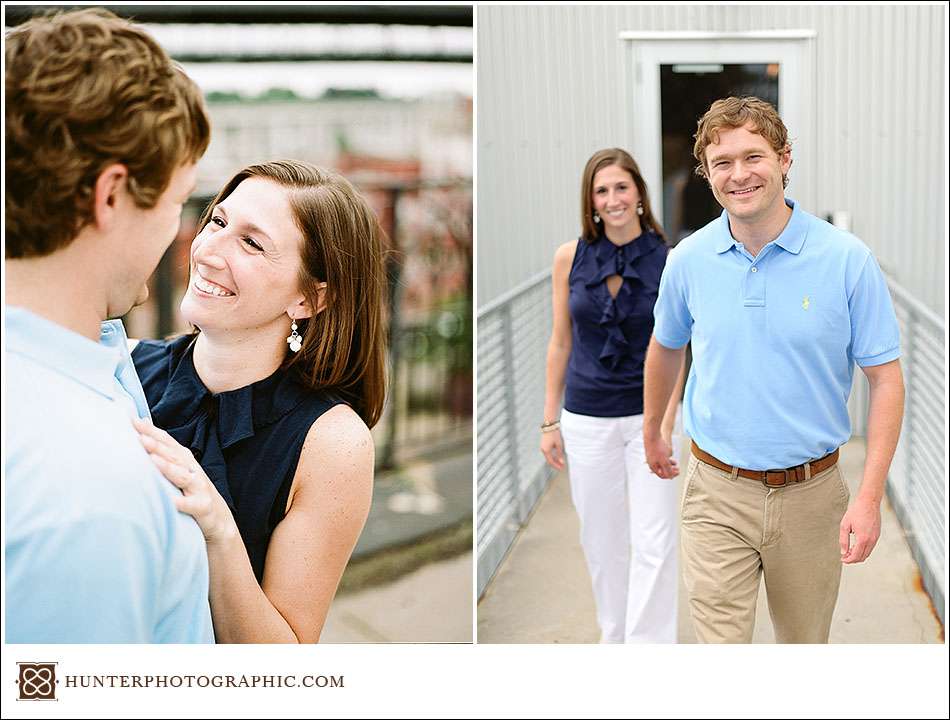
(295, 339)
(639, 208)
(596, 218)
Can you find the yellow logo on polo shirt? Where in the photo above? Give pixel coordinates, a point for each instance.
(805, 303)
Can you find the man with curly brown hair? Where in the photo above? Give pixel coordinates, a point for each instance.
(779, 306)
(103, 136)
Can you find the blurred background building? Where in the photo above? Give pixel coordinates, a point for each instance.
(383, 95)
(862, 90)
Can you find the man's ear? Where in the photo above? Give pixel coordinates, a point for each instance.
(110, 185)
(785, 160)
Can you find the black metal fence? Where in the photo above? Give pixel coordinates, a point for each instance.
(429, 402)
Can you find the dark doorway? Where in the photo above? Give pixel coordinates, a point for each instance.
(686, 92)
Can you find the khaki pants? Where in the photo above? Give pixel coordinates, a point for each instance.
(734, 529)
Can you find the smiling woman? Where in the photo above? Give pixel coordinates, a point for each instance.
(270, 444)
(604, 287)
(255, 270)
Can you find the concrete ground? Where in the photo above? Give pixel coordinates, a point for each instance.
(410, 576)
(431, 604)
(541, 593)
(418, 499)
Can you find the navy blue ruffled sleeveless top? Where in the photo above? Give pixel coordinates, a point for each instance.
(247, 440)
(610, 335)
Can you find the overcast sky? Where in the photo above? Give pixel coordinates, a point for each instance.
(214, 39)
(311, 79)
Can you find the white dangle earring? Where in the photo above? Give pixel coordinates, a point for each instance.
(295, 339)
(596, 218)
(639, 208)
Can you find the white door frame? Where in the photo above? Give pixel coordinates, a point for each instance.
(794, 50)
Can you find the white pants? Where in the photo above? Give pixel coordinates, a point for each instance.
(629, 522)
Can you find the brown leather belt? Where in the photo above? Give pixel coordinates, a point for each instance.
(771, 478)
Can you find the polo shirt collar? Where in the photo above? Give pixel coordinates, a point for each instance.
(46, 343)
(791, 239)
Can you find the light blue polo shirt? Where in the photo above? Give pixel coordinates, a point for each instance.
(95, 550)
(774, 337)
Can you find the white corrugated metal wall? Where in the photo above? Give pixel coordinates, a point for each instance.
(550, 92)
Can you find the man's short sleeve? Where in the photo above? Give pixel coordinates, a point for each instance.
(875, 337)
(673, 322)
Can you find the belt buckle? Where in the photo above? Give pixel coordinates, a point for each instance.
(768, 485)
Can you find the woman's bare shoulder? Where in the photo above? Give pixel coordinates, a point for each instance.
(337, 458)
(564, 259)
(340, 429)
(565, 253)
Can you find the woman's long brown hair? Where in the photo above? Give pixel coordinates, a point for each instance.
(344, 345)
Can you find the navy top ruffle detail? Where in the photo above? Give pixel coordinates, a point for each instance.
(610, 334)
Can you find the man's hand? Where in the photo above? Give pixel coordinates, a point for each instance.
(662, 373)
(885, 411)
(863, 520)
(659, 452)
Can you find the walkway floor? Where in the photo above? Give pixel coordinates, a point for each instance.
(410, 577)
(431, 604)
(541, 593)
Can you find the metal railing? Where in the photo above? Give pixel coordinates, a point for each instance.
(513, 333)
(917, 483)
(512, 336)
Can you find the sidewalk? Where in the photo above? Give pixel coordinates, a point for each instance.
(432, 604)
(410, 576)
(421, 512)
(541, 593)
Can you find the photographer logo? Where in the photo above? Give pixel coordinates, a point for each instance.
(37, 681)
